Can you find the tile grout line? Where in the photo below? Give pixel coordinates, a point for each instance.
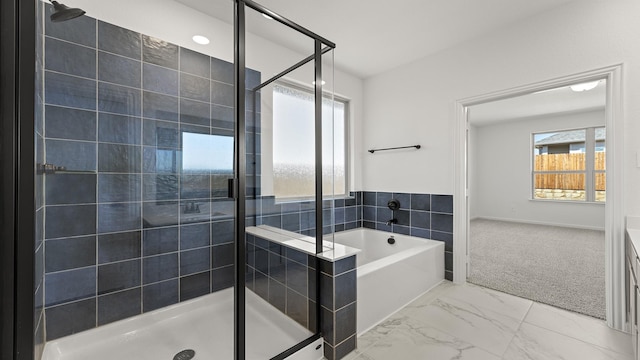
(570, 336)
(579, 340)
(515, 334)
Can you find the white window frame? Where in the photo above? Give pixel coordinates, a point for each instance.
(589, 170)
(334, 97)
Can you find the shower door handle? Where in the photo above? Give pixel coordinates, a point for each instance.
(231, 188)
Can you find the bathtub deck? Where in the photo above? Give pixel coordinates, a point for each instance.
(204, 325)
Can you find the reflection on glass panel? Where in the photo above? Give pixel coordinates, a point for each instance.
(165, 161)
(560, 186)
(601, 186)
(559, 151)
(334, 131)
(293, 144)
(202, 153)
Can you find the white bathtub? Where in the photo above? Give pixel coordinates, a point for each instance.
(391, 276)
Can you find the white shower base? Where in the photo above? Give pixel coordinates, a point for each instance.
(204, 324)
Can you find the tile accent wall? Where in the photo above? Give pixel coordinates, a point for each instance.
(428, 216)
(421, 215)
(338, 299)
(299, 216)
(128, 229)
(284, 277)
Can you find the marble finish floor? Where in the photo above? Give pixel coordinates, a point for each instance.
(470, 322)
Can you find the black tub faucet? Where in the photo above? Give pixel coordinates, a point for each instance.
(394, 205)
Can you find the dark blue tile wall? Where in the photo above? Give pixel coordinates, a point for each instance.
(284, 277)
(299, 216)
(338, 300)
(128, 230)
(422, 215)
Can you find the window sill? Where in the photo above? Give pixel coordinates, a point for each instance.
(567, 201)
(294, 200)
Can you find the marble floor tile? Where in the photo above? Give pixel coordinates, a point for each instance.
(483, 328)
(535, 343)
(427, 298)
(471, 322)
(381, 330)
(416, 341)
(499, 302)
(581, 327)
(397, 319)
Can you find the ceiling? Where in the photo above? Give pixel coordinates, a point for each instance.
(373, 36)
(555, 101)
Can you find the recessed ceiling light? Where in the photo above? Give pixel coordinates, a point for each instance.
(267, 16)
(323, 82)
(202, 40)
(585, 86)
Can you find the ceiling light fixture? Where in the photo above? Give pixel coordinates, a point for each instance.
(202, 40)
(585, 86)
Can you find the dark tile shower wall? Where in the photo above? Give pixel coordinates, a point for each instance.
(128, 228)
(421, 215)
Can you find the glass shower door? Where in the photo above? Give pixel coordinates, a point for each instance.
(277, 292)
(285, 217)
(135, 224)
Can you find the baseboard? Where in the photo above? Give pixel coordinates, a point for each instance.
(571, 226)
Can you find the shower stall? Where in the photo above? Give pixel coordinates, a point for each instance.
(140, 208)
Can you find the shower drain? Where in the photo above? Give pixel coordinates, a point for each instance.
(186, 354)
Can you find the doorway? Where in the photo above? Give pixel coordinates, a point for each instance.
(536, 199)
(612, 225)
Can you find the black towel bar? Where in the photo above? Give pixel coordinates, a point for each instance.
(395, 148)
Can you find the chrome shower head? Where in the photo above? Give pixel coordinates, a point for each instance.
(63, 12)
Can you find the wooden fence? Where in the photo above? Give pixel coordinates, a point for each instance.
(567, 162)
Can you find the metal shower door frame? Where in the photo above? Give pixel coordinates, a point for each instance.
(17, 219)
(240, 162)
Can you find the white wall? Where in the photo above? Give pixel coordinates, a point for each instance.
(174, 22)
(502, 173)
(415, 103)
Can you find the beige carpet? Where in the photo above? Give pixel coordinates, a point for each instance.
(559, 266)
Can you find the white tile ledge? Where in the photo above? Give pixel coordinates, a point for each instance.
(332, 251)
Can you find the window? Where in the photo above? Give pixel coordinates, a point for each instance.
(293, 143)
(570, 165)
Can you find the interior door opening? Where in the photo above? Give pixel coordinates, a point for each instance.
(536, 181)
